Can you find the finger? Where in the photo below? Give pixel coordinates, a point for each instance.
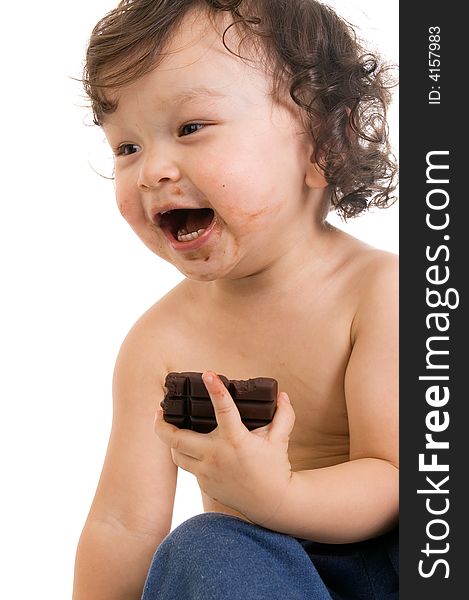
(159, 424)
(226, 411)
(185, 462)
(185, 441)
(284, 419)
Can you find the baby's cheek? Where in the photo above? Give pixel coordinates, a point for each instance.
(239, 189)
(129, 209)
(125, 210)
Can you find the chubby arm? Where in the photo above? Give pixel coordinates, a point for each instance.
(360, 498)
(250, 471)
(132, 508)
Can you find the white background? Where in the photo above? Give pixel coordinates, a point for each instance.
(74, 278)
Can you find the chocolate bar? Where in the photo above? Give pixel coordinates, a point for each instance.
(187, 403)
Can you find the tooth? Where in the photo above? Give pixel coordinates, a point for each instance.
(188, 237)
(183, 236)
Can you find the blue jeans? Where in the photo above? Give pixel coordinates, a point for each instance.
(218, 557)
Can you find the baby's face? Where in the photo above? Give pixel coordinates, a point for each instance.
(201, 132)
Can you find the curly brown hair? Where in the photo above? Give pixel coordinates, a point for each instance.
(343, 91)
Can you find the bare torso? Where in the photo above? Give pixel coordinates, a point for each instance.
(303, 339)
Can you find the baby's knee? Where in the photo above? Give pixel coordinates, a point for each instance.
(204, 522)
(213, 555)
(192, 557)
(203, 535)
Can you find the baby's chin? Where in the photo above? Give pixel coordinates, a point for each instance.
(231, 259)
(212, 269)
(205, 273)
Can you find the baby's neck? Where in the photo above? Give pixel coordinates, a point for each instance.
(278, 282)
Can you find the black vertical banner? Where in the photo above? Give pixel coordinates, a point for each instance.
(434, 251)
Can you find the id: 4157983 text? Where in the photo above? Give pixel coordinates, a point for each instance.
(434, 62)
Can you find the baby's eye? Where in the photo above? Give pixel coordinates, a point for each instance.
(126, 149)
(190, 128)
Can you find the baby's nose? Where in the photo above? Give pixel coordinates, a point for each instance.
(156, 169)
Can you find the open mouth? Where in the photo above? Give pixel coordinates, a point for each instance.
(186, 224)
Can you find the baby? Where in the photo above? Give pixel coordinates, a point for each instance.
(236, 127)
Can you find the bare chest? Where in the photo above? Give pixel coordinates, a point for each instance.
(307, 354)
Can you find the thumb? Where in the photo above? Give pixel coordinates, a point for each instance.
(284, 419)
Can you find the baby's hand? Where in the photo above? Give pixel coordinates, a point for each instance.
(245, 470)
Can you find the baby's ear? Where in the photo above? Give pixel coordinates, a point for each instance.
(314, 177)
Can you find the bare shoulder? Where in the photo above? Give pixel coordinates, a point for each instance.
(377, 281)
(144, 349)
(379, 263)
(378, 268)
(366, 275)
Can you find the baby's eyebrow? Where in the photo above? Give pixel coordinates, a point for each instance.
(183, 96)
(195, 93)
